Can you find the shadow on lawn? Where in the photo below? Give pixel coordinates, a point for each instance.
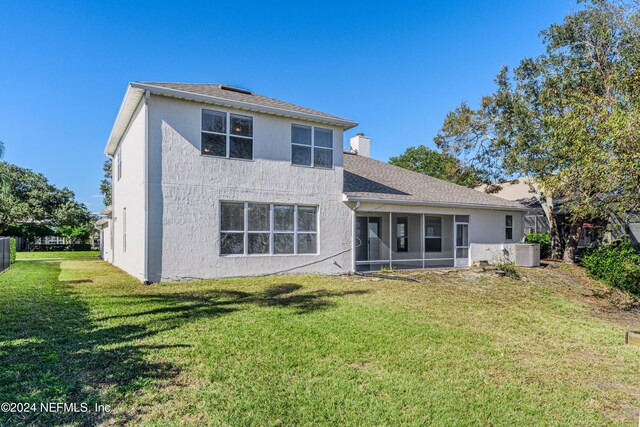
(52, 350)
(186, 305)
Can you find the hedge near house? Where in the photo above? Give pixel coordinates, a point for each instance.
(544, 239)
(617, 264)
(12, 250)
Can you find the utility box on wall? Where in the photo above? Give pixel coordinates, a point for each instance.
(528, 255)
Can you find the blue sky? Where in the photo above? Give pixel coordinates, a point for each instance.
(396, 67)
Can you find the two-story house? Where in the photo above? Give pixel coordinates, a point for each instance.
(215, 181)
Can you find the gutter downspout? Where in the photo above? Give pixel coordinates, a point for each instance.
(147, 95)
(353, 237)
(112, 252)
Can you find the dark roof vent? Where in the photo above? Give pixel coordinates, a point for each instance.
(235, 89)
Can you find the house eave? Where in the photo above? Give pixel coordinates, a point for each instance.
(135, 92)
(348, 198)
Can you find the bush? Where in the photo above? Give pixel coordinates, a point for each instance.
(61, 248)
(617, 264)
(509, 270)
(544, 239)
(12, 250)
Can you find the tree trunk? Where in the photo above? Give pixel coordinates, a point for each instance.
(547, 206)
(575, 230)
(556, 243)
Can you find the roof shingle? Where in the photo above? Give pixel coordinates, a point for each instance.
(371, 179)
(251, 98)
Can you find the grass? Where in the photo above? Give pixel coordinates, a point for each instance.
(464, 348)
(60, 254)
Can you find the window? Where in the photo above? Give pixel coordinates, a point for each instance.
(402, 227)
(311, 146)
(227, 135)
(508, 230)
(432, 234)
(263, 229)
(119, 163)
(124, 229)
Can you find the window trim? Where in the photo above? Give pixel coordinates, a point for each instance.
(312, 146)
(119, 164)
(508, 227)
(228, 135)
(405, 221)
(432, 237)
(272, 232)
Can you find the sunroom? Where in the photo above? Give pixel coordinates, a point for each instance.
(400, 240)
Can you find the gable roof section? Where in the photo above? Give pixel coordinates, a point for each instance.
(366, 179)
(214, 94)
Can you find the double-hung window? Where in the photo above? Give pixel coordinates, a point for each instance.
(226, 135)
(119, 164)
(508, 227)
(432, 234)
(311, 146)
(402, 228)
(263, 229)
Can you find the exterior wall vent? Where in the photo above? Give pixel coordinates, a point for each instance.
(235, 89)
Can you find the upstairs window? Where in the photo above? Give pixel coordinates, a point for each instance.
(508, 230)
(227, 135)
(119, 164)
(311, 146)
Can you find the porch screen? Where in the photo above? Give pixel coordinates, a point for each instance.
(432, 234)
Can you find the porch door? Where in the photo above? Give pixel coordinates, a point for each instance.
(374, 238)
(368, 232)
(462, 244)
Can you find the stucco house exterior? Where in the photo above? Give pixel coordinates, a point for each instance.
(215, 181)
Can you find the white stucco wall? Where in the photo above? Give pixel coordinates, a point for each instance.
(128, 192)
(106, 251)
(186, 188)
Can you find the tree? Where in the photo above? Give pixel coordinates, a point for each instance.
(75, 234)
(31, 199)
(436, 164)
(567, 120)
(105, 184)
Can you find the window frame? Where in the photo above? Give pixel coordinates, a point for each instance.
(508, 228)
(119, 164)
(228, 135)
(432, 237)
(312, 146)
(272, 231)
(404, 220)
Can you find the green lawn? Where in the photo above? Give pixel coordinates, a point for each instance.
(463, 348)
(61, 254)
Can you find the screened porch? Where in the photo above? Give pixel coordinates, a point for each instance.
(410, 241)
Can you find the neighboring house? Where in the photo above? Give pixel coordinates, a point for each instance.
(519, 190)
(535, 221)
(214, 181)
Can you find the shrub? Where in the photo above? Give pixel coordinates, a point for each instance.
(617, 264)
(509, 270)
(544, 239)
(12, 250)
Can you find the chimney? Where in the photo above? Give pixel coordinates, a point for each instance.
(361, 145)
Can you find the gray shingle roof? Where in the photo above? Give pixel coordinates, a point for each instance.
(371, 179)
(252, 98)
